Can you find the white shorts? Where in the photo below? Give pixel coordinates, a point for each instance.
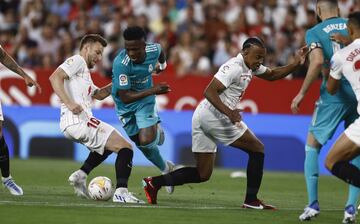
(353, 132)
(94, 136)
(210, 126)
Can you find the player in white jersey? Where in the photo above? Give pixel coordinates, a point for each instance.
(6, 178)
(347, 62)
(73, 84)
(217, 119)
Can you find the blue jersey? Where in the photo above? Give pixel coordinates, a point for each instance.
(319, 36)
(136, 77)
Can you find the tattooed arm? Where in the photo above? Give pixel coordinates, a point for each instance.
(11, 64)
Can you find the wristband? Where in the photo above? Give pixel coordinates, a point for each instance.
(163, 65)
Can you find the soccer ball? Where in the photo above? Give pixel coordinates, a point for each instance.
(100, 188)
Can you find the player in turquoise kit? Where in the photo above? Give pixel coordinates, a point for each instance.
(330, 110)
(134, 93)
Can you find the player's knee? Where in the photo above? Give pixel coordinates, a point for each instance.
(146, 140)
(204, 175)
(122, 145)
(329, 163)
(259, 147)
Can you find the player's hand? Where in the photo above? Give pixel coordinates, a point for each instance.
(339, 38)
(157, 69)
(161, 88)
(301, 54)
(74, 107)
(30, 82)
(296, 102)
(235, 116)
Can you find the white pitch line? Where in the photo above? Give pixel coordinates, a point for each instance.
(51, 204)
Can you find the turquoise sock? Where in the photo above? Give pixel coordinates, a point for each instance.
(152, 153)
(311, 171)
(354, 191)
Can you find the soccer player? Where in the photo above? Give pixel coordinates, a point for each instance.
(330, 110)
(134, 95)
(217, 119)
(346, 62)
(6, 178)
(72, 83)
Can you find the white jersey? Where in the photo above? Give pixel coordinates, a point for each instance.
(80, 89)
(235, 76)
(347, 62)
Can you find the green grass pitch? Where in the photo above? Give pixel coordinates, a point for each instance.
(49, 199)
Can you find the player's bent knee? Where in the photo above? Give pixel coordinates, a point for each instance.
(204, 175)
(205, 178)
(259, 147)
(329, 163)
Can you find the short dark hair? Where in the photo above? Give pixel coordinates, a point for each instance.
(92, 38)
(253, 41)
(134, 33)
(332, 2)
(354, 18)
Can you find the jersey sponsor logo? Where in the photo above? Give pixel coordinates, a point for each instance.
(151, 68)
(123, 80)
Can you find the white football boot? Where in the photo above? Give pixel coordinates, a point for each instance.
(122, 195)
(78, 180)
(310, 212)
(170, 166)
(349, 214)
(10, 184)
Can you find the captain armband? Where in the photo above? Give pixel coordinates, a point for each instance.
(314, 45)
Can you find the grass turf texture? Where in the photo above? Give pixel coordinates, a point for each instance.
(49, 199)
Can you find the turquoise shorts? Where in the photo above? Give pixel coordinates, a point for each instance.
(327, 117)
(143, 117)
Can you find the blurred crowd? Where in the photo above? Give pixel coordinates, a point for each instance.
(196, 35)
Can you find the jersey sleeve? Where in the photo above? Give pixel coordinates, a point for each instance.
(312, 40)
(158, 46)
(261, 70)
(121, 79)
(227, 74)
(72, 65)
(336, 67)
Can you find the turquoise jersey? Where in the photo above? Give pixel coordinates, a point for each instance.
(136, 77)
(319, 36)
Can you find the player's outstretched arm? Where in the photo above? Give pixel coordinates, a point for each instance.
(57, 83)
(130, 96)
(281, 72)
(103, 92)
(212, 92)
(316, 60)
(11, 64)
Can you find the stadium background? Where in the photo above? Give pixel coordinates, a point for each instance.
(197, 36)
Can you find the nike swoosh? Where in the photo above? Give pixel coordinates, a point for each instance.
(255, 207)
